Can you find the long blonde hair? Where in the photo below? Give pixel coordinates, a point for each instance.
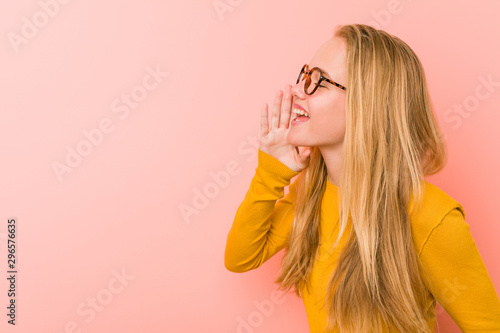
(392, 140)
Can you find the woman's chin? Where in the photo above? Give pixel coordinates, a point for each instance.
(296, 140)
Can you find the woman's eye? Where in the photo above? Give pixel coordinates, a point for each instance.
(322, 86)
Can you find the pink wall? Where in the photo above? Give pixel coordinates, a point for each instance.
(102, 245)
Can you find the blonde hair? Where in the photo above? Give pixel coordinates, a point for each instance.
(392, 140)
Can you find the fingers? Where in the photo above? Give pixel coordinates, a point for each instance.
(303, 152)
(264, 123)
(276, 110)
(287, 108)
(279, 119)
(306, 152)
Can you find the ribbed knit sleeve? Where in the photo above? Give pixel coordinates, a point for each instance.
(459, 279)
(264, 218)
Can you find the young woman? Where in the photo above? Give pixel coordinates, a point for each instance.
(370, 245)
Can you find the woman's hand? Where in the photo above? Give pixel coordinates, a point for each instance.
(273, 139)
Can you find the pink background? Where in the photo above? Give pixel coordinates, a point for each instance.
(118, 212)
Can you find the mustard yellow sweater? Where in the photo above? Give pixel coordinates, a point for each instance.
(460, 280)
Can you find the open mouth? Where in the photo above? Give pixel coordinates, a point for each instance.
(300, 116)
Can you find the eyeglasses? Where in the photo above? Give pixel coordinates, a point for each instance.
(315, 76)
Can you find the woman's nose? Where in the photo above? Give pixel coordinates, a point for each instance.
(298, 90)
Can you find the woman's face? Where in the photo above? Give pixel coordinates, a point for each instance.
(326, 107)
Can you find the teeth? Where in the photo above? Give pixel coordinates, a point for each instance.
(301, 112)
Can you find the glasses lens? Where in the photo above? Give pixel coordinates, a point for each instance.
(312, 81)
(302, 74)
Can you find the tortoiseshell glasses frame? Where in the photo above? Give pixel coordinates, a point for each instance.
(307, 76)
